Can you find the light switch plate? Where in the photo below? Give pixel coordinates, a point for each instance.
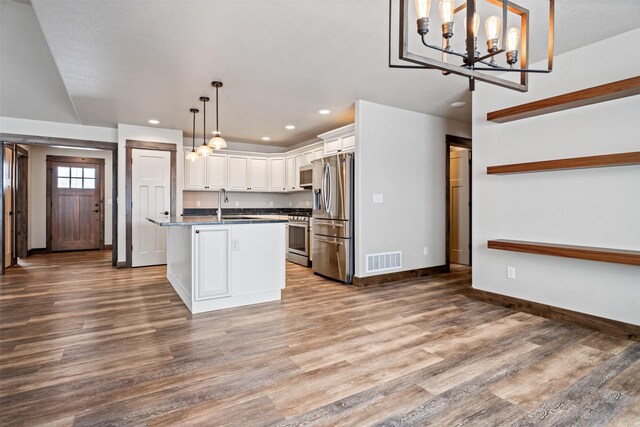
(378, 198)
(198, 203)
(235, 244)
(109, 201)
(511, 272)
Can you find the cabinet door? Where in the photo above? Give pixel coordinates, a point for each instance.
(298, 162)
(217, 171)
(348, 142)
(277, 174)
(258, 174)
(194, 174)
(292, 176)
(212, 262)
(308, 157)
(238, 173)
(332, 146)
(318, 153)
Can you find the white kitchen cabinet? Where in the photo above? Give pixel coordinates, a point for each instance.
(318, 153)
(216, 171)
(195, 174)
(238, 171)
(277, 174)
(292, 176)
(299, 159)
(308, 157)
(342, 139)
(212, 272)
(258, 174)
(206, 173)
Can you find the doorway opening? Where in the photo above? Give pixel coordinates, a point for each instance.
(458, 197)
(50, 190)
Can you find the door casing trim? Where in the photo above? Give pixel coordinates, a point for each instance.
(455, 141)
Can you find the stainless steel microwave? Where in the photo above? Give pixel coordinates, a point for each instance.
(306, 176)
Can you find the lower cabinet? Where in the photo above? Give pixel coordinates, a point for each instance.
(212, 273)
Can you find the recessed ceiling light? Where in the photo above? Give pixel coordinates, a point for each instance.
(324, 111)
(266, 138)
(289, 127)
(458, 104)
(154, 121)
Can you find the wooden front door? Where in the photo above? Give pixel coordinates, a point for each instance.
(22, 205)
(75, 217)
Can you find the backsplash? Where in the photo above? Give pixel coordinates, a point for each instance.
(244, 211)
(209, 199)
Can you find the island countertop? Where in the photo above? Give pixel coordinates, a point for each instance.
(213, 220)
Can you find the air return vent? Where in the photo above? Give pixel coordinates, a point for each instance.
(383, 262)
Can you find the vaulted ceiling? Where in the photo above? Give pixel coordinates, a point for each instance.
(105, 62)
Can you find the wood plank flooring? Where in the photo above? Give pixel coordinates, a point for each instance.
(84, 344)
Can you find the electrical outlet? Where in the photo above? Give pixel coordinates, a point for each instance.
(426, 250)
(237, 204)
(308, 203)
(289, 204)
(235, 244)
(511, 272)
(198, 204)
(109, 201)
(378, 198)
(270, 203)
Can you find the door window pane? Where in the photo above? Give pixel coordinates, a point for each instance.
(89, 183)
(76, 172)
(63, 182)
(63, 171)
(89, 173)
(76, 182)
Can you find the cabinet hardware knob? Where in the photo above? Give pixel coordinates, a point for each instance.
(165, 213)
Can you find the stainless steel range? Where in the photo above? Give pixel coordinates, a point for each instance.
(299, 241)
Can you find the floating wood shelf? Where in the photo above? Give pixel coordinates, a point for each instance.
(619, 256)
(618, 159)
(592, 95)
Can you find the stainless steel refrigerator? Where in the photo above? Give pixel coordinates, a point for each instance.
(333, 192)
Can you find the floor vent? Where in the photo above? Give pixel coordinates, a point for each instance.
(383, 262)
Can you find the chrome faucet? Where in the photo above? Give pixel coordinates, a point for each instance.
(221, 192)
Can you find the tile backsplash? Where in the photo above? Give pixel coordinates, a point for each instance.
(209, 199)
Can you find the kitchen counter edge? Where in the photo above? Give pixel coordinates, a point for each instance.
(200, 220)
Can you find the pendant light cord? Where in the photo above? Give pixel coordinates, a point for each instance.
(204, 121)
(217, 109)
(193, 134)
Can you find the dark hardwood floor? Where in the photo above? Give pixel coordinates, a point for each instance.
(84, 344)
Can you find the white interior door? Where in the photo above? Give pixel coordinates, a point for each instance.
(151, 197)
(459, 205)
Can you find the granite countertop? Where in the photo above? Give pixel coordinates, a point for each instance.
(212, 220)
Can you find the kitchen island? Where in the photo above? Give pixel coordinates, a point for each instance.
(215, 264)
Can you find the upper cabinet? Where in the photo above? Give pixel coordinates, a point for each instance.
(241, 171)
(277, 174)
(207, 173)
(338, 140)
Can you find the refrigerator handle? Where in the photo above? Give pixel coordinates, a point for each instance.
(327, 191)
(316, 199)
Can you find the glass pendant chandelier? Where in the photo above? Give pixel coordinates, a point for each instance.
(204, 149)
(193, 154)
(217, 142)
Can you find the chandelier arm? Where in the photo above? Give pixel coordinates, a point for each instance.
(451, 52)
(515, 70)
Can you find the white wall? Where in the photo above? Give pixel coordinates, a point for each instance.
(150, 134)
(592, 207)
(38, 190)
(401, 155)
(209, 199)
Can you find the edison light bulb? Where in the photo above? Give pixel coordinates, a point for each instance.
(446, 10)
(512, 39)
(476, 23)
(422, 8)
(492, 26)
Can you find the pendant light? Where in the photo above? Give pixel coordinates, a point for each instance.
(193, 154)
(217, 142)
(204, 149)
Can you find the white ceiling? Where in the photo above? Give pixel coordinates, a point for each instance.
(115, 61)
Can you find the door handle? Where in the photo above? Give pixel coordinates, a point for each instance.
(330, 242)
(328, 224)
(165, 213)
